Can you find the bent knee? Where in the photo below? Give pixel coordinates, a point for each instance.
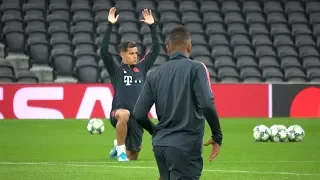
(122, 115)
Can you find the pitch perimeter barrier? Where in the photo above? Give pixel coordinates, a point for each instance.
(83, 101)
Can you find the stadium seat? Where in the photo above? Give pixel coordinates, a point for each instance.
(61, 43)
(214, 28)
(87, 71)
(251, 6)
(128, 27)
(7, 68)
(261, 39)
(268, 61)
(293, 6)
(218, 39)
(300, 29)
(272, 6)
(239, 39)
(205, 60)
(230, 6)
(310, 62)
(294, 74)
(250, 75)
(128, 16)
(166, 5)
(26, 76)
(224, 61)
(57, 20)
(312, 6)
(198, 39)
(246, 61)
(209, 6)
(13, 37)
(6, 77)
(228, 75)
(124, 5)
(273, 74)
(35, 21)
(36, 32)
(39, 51)
(11, 9)
(59, 8)
(63, 62)
(258, 28)
(84, 21)
(145, 4)
(314, 74)
(34, 8)
(279, 29)
(212, 17)
(236, 28)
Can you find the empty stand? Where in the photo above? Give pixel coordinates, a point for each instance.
(248, 41)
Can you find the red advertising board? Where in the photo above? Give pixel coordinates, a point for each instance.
(241, 100)
(83, 101)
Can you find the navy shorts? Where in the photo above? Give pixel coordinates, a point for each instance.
(176, 164)
(134, 134)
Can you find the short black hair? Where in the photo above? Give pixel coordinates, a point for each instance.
(179, 35)
(124, 45)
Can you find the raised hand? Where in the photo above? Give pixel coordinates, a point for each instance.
(112, 15)
(215, 149)
(147, 15)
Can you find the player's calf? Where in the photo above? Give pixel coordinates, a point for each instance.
(132, 155)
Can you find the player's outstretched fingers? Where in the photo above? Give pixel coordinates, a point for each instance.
(122, 115)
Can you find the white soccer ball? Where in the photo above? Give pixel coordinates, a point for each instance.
(95, 126)
(261, 133)
(274, 126)
(278, 135)
(282, 127)
(295, 133)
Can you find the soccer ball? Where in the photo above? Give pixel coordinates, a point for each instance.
(281, 127)
(278, 135)
(277, 126)
(295, 133)
(95, 126)
(261, 133)
(274, 126)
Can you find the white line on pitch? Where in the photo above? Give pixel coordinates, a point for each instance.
(149, 167)
(153, 162)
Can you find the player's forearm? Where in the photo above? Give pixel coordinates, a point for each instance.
(214, 123)
(205, 98)
(106, 56)
(106, 40)
(147, 124)
(155, 49)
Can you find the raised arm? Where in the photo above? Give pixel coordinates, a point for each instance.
(106, 56)
(151, 56)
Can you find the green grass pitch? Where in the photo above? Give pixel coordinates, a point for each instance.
(63, 149)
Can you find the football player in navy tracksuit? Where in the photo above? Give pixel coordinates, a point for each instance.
(127, 81)
(180, 89)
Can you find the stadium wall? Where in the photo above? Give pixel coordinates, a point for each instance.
(83, 101)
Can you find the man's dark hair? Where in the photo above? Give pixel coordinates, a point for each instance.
(179, 36)
(124, 45)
